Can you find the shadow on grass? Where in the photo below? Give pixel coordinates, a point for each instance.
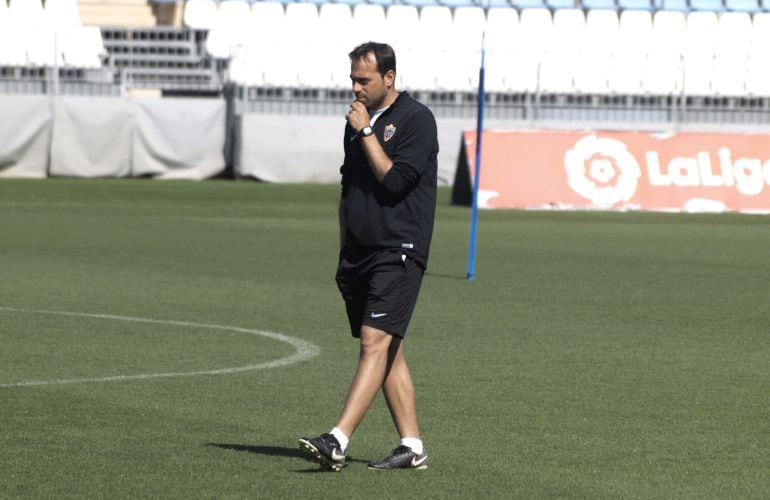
(444, 276)
(279, 451)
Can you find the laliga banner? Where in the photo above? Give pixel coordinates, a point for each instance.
(619, 170)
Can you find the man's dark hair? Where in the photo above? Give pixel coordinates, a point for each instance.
(383, 54)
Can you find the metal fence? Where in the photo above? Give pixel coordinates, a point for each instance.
(174, 61)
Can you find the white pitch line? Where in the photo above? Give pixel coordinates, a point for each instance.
(304, 350)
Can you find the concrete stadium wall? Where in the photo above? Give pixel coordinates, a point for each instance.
(307, 148)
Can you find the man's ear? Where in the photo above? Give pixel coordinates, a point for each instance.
(390, 78)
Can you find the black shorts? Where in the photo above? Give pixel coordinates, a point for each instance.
(380, 290)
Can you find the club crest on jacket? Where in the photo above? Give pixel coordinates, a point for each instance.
(390, 131)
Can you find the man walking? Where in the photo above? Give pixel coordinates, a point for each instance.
(387, 210)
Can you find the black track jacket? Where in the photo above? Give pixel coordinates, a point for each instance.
(399, 212)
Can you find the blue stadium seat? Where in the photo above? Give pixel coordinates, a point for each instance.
(599, 4)
(456, 3)
(421, 3)
(678, 5)
(743, 5)
(528, 4)
(561, 4)
(635, 4)
(708, 5)
(494, 3)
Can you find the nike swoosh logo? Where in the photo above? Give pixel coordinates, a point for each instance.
(378, 315)
(417, 463)
(336, 457)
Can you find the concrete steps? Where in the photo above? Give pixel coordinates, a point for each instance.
(126, 13)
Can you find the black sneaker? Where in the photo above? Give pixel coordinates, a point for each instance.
(402, 458)
(325, 449)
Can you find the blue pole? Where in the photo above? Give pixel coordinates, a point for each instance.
(477, 170)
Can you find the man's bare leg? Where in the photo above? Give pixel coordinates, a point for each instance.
(399, 394)
(368, 379)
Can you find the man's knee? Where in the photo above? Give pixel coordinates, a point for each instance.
(375, 342)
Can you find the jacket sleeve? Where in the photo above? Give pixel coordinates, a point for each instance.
(345, 168)
(413, 154)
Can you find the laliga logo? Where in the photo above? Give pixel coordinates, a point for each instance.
(602, 170)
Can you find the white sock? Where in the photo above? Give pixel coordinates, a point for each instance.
(414, 443)
(341, 437)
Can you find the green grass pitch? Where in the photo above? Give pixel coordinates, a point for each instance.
(597, 355)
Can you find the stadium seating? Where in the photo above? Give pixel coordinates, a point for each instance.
(528, 4)
(731, 54)
(758, 70)
(229, 29)
(62, 13)
(595, 61)
(533, 36)
(200, 14)
(559, 61)
(560, 4)
(369, 22)
(630, 57)
(36, 36)
(674, 5)
(337, 36)
(698, 47)
(635, 5)
(501, 39)
(707, 5)
(599, 4)
(28, 12)
(462, 55)
(742, 5)
(407, 18)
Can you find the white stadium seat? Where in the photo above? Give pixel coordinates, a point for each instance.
(470, 24)
(26, 12)
(532, 38)
(502, 27)
(200, 14)
(403, 24)
(462, 52)
(630, 57)
(731, 56)
(82, 46)
(558, 63)
(435, 41)
(337, 37)
(42, 47)
(502, 31)
(369, 22)
(664, 69)
(595, 62)
(261, 49)
(230, 28)
(62, 13)
(698, 54)
(12, 51)
(302, 23)
(758, 71)
(4, 16)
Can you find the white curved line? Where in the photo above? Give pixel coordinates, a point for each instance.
(304, 350)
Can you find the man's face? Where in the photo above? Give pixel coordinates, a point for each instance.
(369, 87)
